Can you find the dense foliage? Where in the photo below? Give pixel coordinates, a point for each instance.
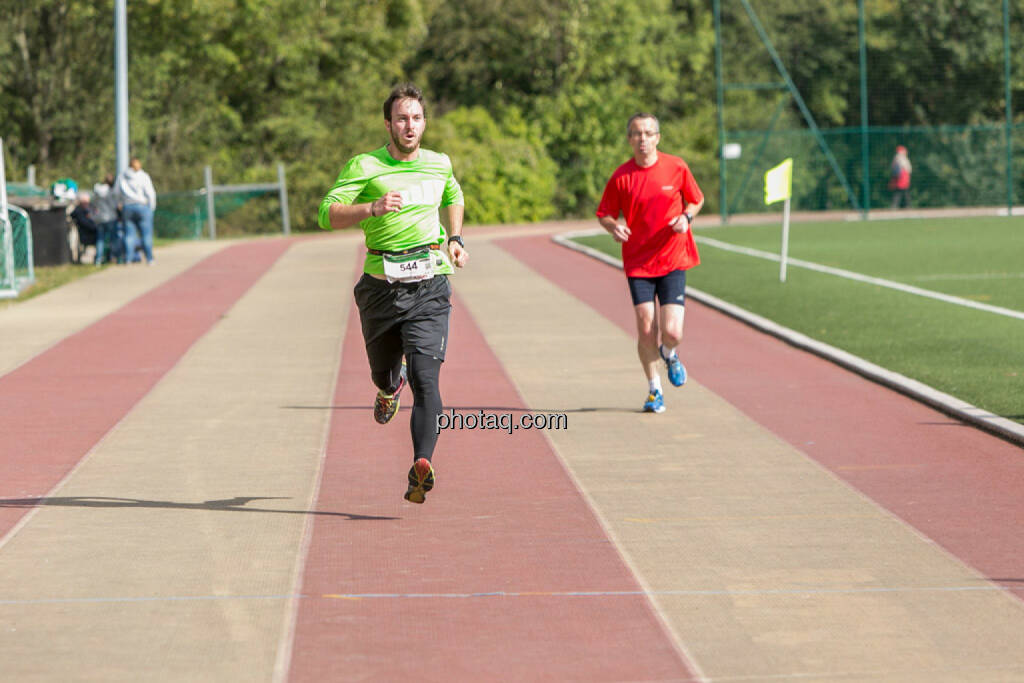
(529, 97)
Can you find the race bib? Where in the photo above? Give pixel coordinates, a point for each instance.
(419, 265)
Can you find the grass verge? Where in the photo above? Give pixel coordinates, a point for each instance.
(51, 277)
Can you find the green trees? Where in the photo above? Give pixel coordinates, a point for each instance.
(579, 70)
(505, 172)
(54, 94)
(529, 97)
(937, 63)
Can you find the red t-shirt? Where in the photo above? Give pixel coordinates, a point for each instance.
(648, 198)
(900, 178)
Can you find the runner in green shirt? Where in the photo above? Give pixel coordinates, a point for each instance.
(422, 185)
(404, 297)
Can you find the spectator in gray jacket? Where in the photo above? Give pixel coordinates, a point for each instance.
(109, 240)
(136, 195)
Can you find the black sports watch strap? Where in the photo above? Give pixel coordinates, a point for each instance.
(457, 238)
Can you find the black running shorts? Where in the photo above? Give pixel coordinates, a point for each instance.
(670, 288)
(404, 318)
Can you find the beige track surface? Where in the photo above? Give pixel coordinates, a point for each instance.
(32, 326)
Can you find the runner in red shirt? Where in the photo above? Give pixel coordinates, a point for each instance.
(657, 198)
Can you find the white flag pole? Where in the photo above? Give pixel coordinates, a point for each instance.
(778, 184)
(785, 241)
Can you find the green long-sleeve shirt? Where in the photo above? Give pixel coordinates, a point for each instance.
(426, 183)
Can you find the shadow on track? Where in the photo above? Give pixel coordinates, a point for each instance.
(473, 409)
(236, 504)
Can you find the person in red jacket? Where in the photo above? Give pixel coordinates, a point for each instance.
(648, 206)
(899, 178)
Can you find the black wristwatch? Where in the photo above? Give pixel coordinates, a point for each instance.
(457, 238)
(689, 218)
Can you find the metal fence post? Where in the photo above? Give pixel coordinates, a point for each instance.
(210, 212)
(286, 226)
(121, 83)
(864, 139)
(723, 209)
(1009, 108)
(808, 117)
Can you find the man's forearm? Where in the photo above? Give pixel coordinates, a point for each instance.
(693, 208)
(343, 216)
(455, 214)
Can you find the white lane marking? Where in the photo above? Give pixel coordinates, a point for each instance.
(938, 277)
(849, 274)
(809, 590)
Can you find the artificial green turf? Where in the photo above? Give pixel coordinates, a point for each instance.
(974, 355)
(981, 259)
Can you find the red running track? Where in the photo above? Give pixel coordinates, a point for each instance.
(503, 574)
(63, 401)
(957, 485)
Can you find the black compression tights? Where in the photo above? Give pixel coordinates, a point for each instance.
(424, 372)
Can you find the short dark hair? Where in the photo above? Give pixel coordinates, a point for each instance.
(642, 115)
(403, 91)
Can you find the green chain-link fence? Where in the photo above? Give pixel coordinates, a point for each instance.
(885, 67)
(184, 215)
(952, 166)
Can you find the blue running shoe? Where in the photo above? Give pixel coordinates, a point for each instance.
(655, 403)
(676, 369)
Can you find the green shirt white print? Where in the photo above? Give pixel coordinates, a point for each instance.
(426, 184)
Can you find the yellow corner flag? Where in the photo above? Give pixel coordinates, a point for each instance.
(778, 182)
